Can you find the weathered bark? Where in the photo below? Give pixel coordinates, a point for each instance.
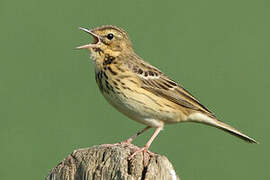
(110, 162)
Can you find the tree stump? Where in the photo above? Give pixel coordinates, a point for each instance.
(110, 162)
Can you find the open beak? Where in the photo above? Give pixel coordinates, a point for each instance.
(91, 45)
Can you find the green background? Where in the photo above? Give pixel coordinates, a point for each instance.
(50, 104)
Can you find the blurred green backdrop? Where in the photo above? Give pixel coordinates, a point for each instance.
(50, 104)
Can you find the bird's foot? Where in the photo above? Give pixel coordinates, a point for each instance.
(126, 142)
(144, 150)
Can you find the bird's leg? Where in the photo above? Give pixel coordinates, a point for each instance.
(129, 140)
(147, 145)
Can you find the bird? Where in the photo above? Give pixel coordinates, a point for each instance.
(140, 90)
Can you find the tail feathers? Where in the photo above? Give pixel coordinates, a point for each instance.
(202, 118)
(235, 132)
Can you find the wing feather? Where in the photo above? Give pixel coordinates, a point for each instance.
(154, 81)
(166, 88)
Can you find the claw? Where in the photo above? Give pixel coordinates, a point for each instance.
(144, 150)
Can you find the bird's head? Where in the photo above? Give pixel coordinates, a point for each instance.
(108, 39)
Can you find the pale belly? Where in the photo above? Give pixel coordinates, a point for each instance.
(143, 110)
(136, 104)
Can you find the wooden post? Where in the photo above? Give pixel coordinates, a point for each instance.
(110, 162)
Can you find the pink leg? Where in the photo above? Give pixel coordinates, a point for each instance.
(148, 144)
(129, 140)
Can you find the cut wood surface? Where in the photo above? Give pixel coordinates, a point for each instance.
(110, 162)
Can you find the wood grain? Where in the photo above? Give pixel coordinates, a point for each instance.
(110, 162)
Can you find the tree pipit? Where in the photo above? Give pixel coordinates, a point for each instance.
(141, 91)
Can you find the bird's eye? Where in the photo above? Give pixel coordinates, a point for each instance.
(110, 36)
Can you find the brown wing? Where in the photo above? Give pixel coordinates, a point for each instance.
(154, 81)
(165, 87)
